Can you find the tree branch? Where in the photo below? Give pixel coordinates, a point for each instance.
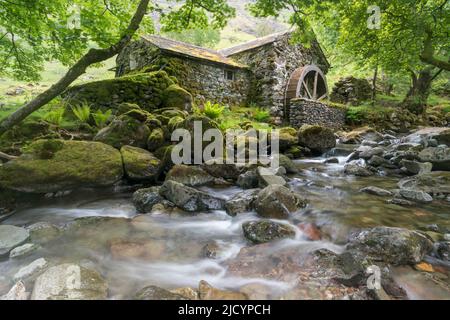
(7, 156)
(427, 55)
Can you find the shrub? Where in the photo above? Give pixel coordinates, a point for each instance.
(101, 118)
(261, 115)
(82, 112)
(213, 111)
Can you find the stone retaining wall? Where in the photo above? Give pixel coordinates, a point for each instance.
(303, 111)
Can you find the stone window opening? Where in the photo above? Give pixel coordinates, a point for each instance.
(229, 75)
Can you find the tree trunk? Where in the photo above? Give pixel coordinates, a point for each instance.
(417, 96)
(93, 56)
(374, 86)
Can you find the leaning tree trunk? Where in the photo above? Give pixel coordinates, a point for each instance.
(416, 99)
(93, 56)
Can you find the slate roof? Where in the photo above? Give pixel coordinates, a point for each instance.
(189, 50)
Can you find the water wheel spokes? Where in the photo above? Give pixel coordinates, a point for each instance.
(307, 82)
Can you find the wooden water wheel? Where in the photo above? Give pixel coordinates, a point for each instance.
(307, 82)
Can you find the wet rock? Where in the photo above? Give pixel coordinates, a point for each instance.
(32, 269)
(17, 292)
(145, 199)
(157, 293)
(69, 282)
(187, 292)
(331, 161)
(287, 138)
(355, 168)
(266, 231)
(415, 167)
(156, 139)
(277, 202)
(11, 237)
(376, 191)
(369, 143)
(43, 232)
(192, 176)
(124, 130)
(241, 202)
(224, 171)
(396, 246)
(401, 202)
(369, 153)
(23, 250)
(417, 196)
(210, 250)
(139, 164)
(288, 164)
(377, 161)
(439, 157)
(148, 250)
(358, 135)
(316, 138)
(434, 183)
(447, 236)
(442, 250)
(49, 166)
(248, 180)
(268, 177)
(207, 292)
(311, 231)
(190, 199)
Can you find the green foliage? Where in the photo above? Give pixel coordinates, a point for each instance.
(261, 115)
(101, 118)
(55, 116)
(213, 111)
(82, 112)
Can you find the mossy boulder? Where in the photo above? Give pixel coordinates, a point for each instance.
(174, 123)
(139, 164)
(192, 176)
(156, 139)
(316, 138)
(266, 231)
(277, 202)
(178, 98)
(149, 90)
(165, 155)
(205, 122)
(124, 130)
(57, 165)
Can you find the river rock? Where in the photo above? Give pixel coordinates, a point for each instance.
(49, 166)
(190, 199)
(316, 138)
(157, 293)
(439, 157)
(358, 135)
(310, 231)
(434, 183)
(377, 161)
(224, 171)
(11, 237)
(417, 196)
(145, 199)
(248, 180)
(139, 164)
(192, 176)
(23, 250)
(266, 231)
(396, 246)
(277, 202)
(43, 232)
(17, 292)
(210, 250)
(442, 250)
(376, 191)
(208, 292)
(370, 152)
(148, 250)
(241, 202)
(288, 164)
(401, 202)
(124, 130)
(32, 269)
(69, 282)
(355, 168)
(268, 177)
(415, 167)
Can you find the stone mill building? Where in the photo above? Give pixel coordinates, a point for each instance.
(268, 71)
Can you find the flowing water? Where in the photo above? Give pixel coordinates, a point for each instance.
(172, 255)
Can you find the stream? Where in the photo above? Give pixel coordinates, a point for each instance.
(174, 243)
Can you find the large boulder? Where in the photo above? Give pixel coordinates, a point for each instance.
(268, 177)
(11, 237)
(190, 199)
(145, 199)
(150, 90)
(69, 282)
(287, 138)
(56, 165)
(316, 138)
(434, 183)
(358, 135)
(178, 98)
(139, 164)
(277, 202)
(351, 90)
(241, 202)
(157, 293)
(395, 246)
(439, 157)
(192, 176)
(265, 231)
(156, 139)
(222, 170)
(123, 131)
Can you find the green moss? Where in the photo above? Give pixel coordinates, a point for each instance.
(140, 164)
(288, 130)
(176, 97)
(310, 130)
(156, 139)
(44, 149)
(174, 123)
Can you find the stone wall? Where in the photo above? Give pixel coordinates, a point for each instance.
(303, 111)
(272, 66)
(205, 81)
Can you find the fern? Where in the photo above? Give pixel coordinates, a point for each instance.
(82, 112)
(101, 118)
(261, 115)
(55, 117)
(213, 111)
